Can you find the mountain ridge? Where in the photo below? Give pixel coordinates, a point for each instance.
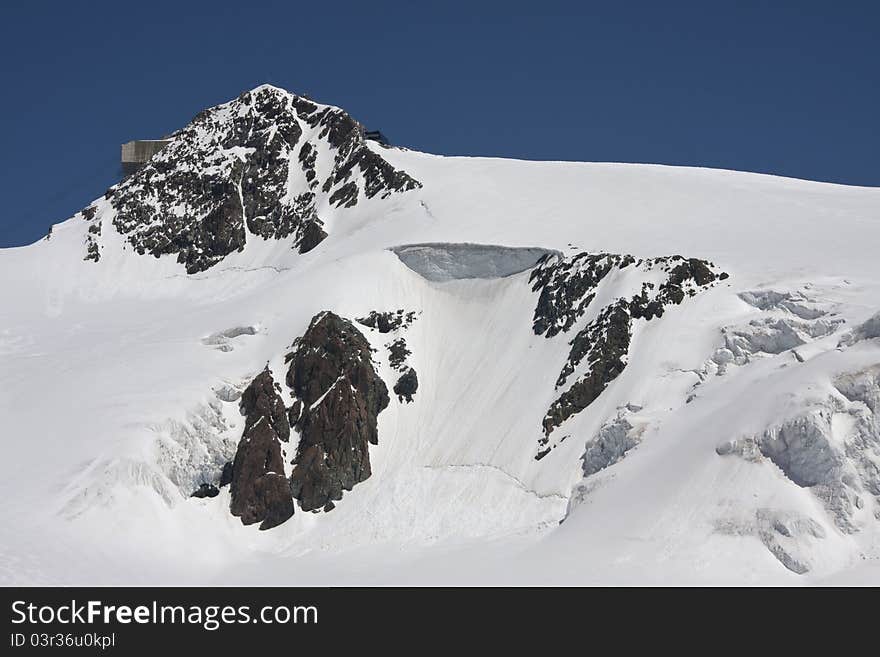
(222, 178)
(737, 443)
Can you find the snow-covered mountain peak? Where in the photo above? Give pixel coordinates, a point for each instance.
(370, 351)
(271, 88)
(267, 165)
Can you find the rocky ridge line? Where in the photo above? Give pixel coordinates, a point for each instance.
(567, 287)
(250, 166)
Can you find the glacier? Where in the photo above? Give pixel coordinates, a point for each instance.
(737, 445)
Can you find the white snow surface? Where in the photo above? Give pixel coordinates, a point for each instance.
(119, 383)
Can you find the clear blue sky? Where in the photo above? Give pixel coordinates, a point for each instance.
(791, 88)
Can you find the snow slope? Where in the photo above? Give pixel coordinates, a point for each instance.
(739, 445)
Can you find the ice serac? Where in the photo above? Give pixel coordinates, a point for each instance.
(261, 164)
(867, 330)
(441, 261)
(259, 487)
(831, 447)
(332, 375)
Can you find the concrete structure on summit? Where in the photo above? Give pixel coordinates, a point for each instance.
(136, 153)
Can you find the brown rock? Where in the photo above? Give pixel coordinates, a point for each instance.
(331, 372)
(259, 488)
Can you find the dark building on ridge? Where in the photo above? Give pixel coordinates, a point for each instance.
(138, 152)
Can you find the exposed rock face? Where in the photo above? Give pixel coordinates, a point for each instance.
(568, 286)
(407, 385)
(386, 322)
(605, 344)
(338, 398)
(398, 352)
(259, 488)
(332, 374)
(226, 474)
(261, 400)
(93, 250)
(249, 166)
(344, 135)
(312, 236)
(206, 490)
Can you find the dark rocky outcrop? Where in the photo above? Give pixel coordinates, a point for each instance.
(93, 250)
(294, 412)
(390, 322)
(261, 400)
(567, 288)
(398, 353)
(385, 322)
(406, 385)
(226, 474)
(338, 398)
(346, 196)
(346, 136)
(332, 374)
(259, 487)
(206, 490)
(311, 235)
(226, 174)
(605, 343)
